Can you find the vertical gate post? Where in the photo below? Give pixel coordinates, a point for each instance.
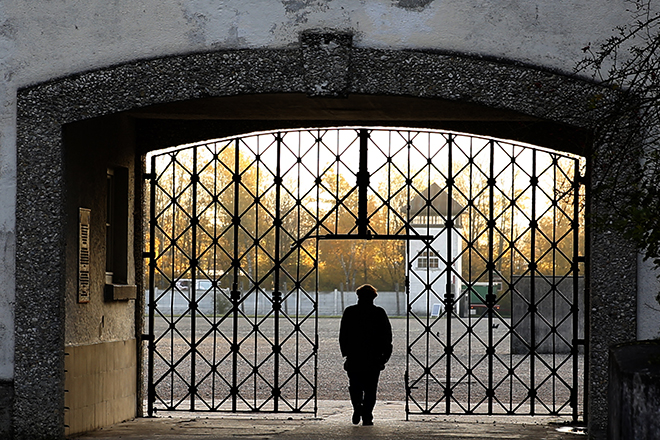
(532, 291)
(363, 186)
(235, 293)
(192, 304)
(490, 392)
(575, 307)
(277, 294)
(449, 296)
(151, 391)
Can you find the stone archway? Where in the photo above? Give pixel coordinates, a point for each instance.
(325, 67)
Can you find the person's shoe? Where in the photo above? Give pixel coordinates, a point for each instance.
(367, 419)
(356, 416)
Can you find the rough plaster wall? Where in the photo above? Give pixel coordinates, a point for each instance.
(95, 146)
(7, 197)
(41, 40)
(67, 36)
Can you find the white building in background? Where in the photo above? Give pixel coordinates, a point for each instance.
(432, 262)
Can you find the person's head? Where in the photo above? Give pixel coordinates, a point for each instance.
(366, 292)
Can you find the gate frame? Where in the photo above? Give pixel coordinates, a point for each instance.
(232, 143)
(43, 110)
(449, 300)
(361, 232)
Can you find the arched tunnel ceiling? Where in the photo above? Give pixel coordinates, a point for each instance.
(300, 107)
(175, 123)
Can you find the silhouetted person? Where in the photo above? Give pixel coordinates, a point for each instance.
(365, 339)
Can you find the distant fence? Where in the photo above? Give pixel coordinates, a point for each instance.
(329, 303)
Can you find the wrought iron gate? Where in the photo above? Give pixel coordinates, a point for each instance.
(492, 244)
(493, 323)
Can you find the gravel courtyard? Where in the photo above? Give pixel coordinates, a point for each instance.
(469, 366)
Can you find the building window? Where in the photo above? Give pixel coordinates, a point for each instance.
(109, 226)
(428, 259)
(116, 226)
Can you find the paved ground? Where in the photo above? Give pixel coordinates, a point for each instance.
(333, 422)
(333, 419)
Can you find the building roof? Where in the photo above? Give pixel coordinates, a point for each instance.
(438, 208)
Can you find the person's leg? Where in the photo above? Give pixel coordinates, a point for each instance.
(356, 391)
(370, 384)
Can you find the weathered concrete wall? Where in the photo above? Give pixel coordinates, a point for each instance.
(57, 38)
(91, 147)
(648, 308)
(100, 334)
(552, 304)
(101, 380)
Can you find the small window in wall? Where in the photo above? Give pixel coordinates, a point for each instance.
(428, 259)
(109, 226)
(116, 235)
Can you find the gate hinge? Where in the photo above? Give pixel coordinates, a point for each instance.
(149, 176)
(148, 255)
(581, 180)
(581, 259)
(147, 337)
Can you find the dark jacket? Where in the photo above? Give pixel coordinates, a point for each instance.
(365, 337)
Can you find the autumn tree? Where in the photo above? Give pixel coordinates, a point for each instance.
(339, 258)
(628, 125)
(196, 207)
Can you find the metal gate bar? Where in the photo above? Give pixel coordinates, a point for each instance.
(490, 296)
(532, 292)
(235, 294)
(575, 309)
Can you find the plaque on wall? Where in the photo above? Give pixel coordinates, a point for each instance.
(83, 255)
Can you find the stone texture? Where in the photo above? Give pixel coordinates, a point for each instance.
(39, 321)
(326, 62)
(611, 297)
(6, 407)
